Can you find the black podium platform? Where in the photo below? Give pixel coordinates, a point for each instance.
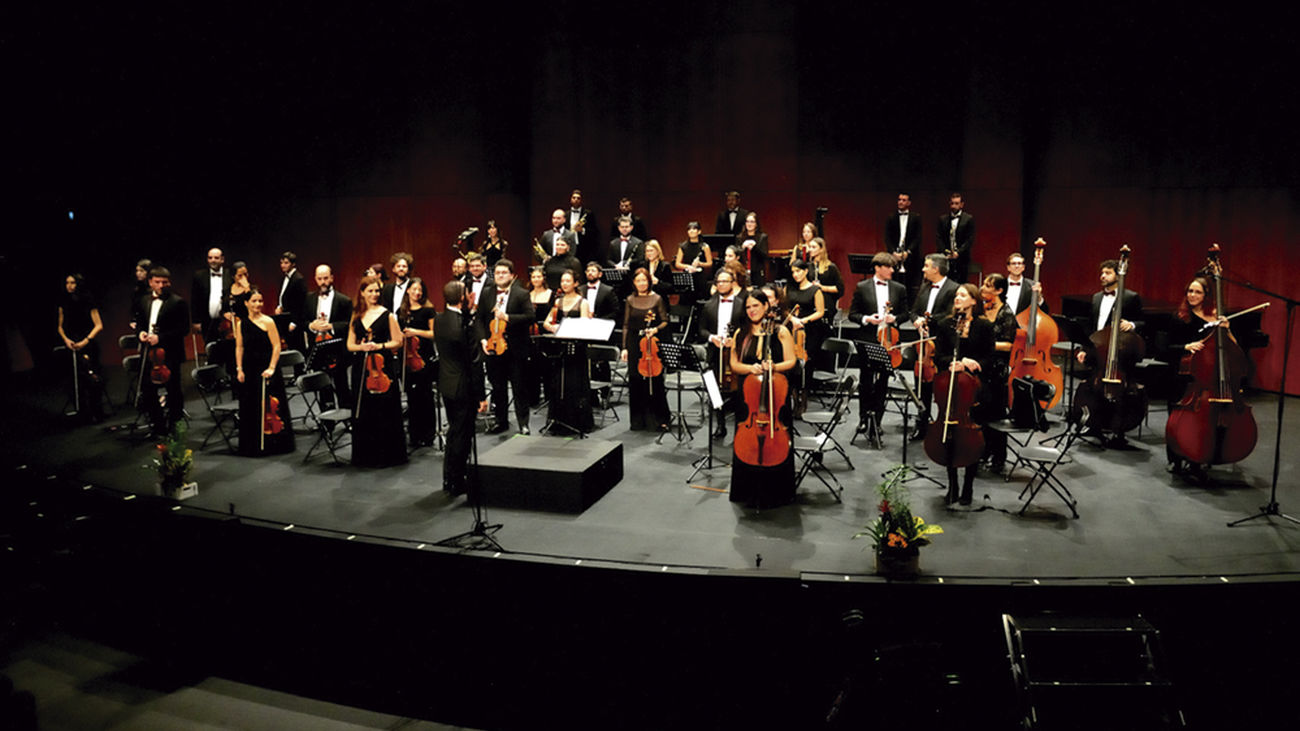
(545, 473)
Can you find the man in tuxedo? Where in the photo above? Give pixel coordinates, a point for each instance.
(934, 298)
(1103, 303)
(558, 233)
(476, 278)
(326, 315)
(601, 298)
(722, 316)
(875, 301)
(955, 236)
(394, 292)
(625, 210)
(503, 300)
(163, 324)
(903, 238)
(459, 268)
(460, 381)
(731, 219)
(582, 222)
(209, 295)
(1021, 289)
(563, 261)
(627, 251)
(293, 296)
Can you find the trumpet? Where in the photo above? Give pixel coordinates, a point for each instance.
(582, 221)
(542, 256)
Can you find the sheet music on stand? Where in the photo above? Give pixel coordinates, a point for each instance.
(592, 329)
(613, 276)
(683, 282)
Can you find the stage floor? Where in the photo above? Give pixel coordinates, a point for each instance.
(1135, 520)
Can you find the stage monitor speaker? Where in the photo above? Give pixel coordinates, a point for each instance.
(546, 473)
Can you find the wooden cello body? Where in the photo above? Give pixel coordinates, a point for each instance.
(761, 439)
(1031, 353)
(1113, 400)
(954, 439)
(1212, 423)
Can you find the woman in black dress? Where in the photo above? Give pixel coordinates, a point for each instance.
(660, 271)
(810, 320)
(995, 310)
(495, 246)
(695, 256)
(972, 337)
(570, 406)
(751, 245)
(539, 368)
(375, 336)
(234, 309)
(264, 423)
(139, 291)
(762, 486)
(79, 325)
(644, 313)
(1187, 335)
(419, 366)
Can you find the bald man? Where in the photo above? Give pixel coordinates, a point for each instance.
(326, 314)
(209, 295)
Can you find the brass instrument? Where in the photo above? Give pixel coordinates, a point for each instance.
(582, 221)
(542, 256)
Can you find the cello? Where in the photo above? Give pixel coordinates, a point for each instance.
(1031, 353)
(1212, 423)
(761, 439)
(955, 439)
(1111, 399)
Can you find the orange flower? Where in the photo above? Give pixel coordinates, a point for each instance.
(897, 541)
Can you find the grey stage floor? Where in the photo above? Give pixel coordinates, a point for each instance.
(1135, 519)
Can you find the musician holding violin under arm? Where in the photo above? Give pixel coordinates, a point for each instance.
(964, 343)
(164, 323)
(645, 316)
(376, 337)
(762, 465)
(999, 314)
(419, 364)
(878, 303)
(265, 426)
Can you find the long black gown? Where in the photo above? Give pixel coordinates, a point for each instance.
(570, 385)
(421, 403)
(761, 486)
(377, 438)
(77, 324)
(257, 356)
(539, 366)
(647, 400)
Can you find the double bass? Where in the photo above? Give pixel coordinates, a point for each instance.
(954, 439)
(1031, 353)
(1212, 423)
(761, 439)
(1113, 400)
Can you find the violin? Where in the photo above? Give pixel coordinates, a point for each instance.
(414, 362)
(497, 339)
(1112, 400)
(887, 335)
(1212, 423)
(649, 365)
(955, 439)
(159, 373)
(727, 379)
(800, 335)
(762, 439)
(1031, 353)
(924, 354)
(377, 381)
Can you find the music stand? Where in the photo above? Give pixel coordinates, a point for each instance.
(614, 277)
(707, 462)
(573, 330)
(873, 359)
(912, 398)
(861, 264)
(678, 357)
(479, 537)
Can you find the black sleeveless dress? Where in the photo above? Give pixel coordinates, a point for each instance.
(571, 386)
(377, 434)
(257, 356)
(762, 486)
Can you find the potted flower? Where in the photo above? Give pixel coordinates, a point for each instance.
(896, 533)
(174, 462)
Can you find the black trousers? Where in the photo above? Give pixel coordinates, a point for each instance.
(460, 433)
(508, 369)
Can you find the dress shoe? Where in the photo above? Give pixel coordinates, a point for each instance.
(919, 434)
(720, 432)
(965, 499)
(500, 428)
(524, 431)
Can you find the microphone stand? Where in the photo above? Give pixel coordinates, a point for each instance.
(1273, 508)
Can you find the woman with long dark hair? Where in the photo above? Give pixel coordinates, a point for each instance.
(265, 426)
(79, 326)
(375, 336)
(763, 347)
(419, 367)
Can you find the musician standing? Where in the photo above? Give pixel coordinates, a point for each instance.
(903, 237)
(325, 316)
(460, 381)
(625, 211)
(933, 300)
(955, 237)
(627, 251)
(877, 301)
(164, 324)
(416, 318)
(208, 295)
(507, 303)
(393, 293)
(732, 217)
(257, 367)
(1020, 287)
(563, 261)
(722, 317)
(582, 222)
(293, 296)
(999, 315)
(645, 315)
(763, 347)
(971, 338)
(556, 234)
(752, 243)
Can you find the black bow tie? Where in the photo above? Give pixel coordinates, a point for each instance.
(880, 283)
(1107, 294)
(1013, 284)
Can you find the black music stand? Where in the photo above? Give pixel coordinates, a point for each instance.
(861, 264)
(678, 357)
(563, 345)
(916, 471)
(684, 288)
(1078, 332)
(615, 277)
(707, 462)
(873, 360)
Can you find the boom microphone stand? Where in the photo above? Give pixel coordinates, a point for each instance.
(480, 537)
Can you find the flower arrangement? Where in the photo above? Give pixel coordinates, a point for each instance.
(896, 531)
(174, 460)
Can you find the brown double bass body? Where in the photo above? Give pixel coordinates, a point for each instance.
(1212, 423)
(1112, 398)
(1031, 353)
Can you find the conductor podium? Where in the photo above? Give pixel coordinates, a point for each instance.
(544, 473)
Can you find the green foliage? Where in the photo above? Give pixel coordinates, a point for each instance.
(174, 459)
(896, 529)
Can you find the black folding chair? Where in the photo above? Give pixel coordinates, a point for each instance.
(211, 382)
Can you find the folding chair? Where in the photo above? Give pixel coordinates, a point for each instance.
(1045, 460)
(603, 390)
(843, 350)
(211, 381)
(824, 421)
(327, 421)
(130, 344)
(811, 451)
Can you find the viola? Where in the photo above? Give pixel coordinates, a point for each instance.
(159, 373)
(1031, 353)
(762, 439)
(887, 335)
(1112, 399)
(649, 365)
(414, 362)
(377, 381)
(272, 423)
(924, 354)
(1212, 423)
(954, 439)
(497, 338)
(727, 379)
